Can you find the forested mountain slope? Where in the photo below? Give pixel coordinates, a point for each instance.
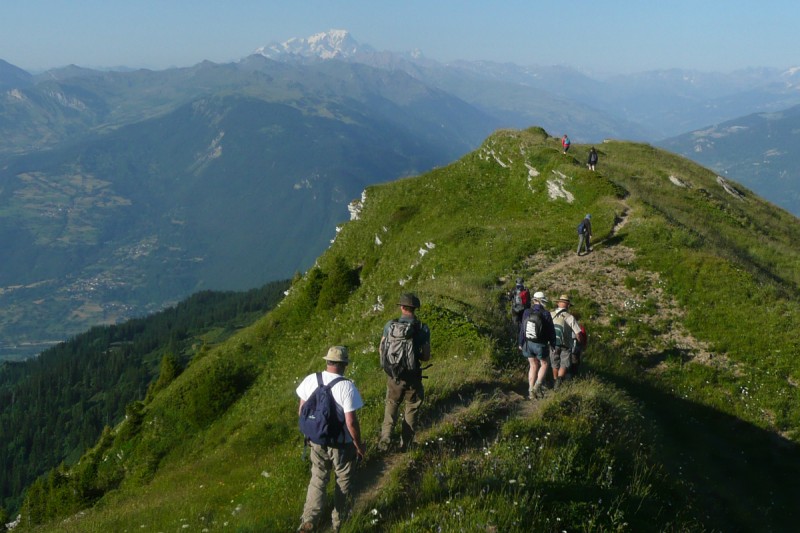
(689, 406)
(55, 406)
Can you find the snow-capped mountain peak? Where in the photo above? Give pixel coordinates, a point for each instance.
(332, 44)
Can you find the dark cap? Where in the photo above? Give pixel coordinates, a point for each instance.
(409, 299)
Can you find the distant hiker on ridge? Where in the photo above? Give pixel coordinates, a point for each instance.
(592, 159)
(565, 143)
(585, 234)
(567, 331)
(341, 457)
(405, 343)
(536, 336)
(520, 301)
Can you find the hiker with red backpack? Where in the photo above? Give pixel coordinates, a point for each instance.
(328, 405)
(405, 344)
(520, 301)
(536, 337)
(567, 331)
(565, 143)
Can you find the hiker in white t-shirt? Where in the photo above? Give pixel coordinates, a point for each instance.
(339, 458)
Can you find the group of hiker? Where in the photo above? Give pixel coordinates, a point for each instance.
(547, 339)
(593, 157)
(329, 401)
(328, 405)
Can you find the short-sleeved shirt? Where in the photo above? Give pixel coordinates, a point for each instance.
(345, 394)
(569, 320)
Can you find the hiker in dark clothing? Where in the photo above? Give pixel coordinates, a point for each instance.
(536, 337)
(592, 159)
(585, 234)
(520, 301)
(406, 387)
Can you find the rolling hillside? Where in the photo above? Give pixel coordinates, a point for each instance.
(689, 406)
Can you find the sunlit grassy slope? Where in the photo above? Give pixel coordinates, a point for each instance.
(688, 419)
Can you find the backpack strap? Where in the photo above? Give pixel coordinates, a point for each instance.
(330, 385)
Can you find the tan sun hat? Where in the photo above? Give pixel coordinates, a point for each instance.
(337, 354)
(564, 298)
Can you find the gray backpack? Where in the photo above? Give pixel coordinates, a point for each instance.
(398, 357)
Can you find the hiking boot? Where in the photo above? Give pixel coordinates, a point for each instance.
(537, 392)
(557, 384)
(405, 446)
(532, 394)
(383, 446)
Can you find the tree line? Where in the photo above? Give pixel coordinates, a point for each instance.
(55, 406)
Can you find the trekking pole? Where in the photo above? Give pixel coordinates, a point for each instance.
(422, 369)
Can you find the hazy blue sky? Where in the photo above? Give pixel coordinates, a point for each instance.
(611, 35)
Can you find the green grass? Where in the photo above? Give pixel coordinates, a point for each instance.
(643, 445)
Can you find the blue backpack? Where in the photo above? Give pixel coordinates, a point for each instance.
(319, 420)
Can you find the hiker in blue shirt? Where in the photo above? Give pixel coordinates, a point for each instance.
(565, 143)
(537, 336)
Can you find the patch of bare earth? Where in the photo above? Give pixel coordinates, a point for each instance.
(609, 277)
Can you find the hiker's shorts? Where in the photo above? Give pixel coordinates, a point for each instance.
(534, 349)
(560, 358)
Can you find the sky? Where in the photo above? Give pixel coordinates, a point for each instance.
(613, 36)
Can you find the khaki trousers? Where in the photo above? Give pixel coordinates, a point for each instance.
(324, 459)
(398, 391)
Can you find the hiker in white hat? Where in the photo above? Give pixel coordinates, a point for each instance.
(536, 336)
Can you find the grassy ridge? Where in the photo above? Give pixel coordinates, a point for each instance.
(218, 448)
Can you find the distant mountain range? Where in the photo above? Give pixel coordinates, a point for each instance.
(124, 191)
(156, 185)
(644, 106)
(759, 151)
